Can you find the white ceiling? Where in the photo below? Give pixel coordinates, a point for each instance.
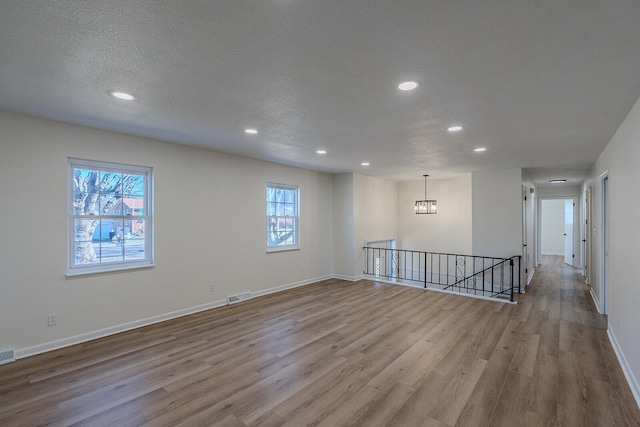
(542, 84)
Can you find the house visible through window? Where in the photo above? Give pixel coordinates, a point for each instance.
(110, 221)
(283, 218)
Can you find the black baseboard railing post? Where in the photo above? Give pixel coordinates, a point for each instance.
(511, 263)
(519, 274)
(425, 270)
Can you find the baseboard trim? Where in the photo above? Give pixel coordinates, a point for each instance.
(112, 330)
(101, 333)
(291, 285)
(348, 278)
(533, 270)
(596, 301)
(626, 369)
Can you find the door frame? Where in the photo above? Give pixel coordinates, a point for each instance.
(605, 227)
(587, 259)
(576, 226)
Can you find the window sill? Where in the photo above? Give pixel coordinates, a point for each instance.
(81, 272)
(283, 249)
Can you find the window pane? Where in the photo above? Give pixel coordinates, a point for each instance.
(133, 184)
(134, 249)
(118, 229)
(85, 229)
(112, 251)
(112, 246)
(137, 228)
(85, 180)
(272, 232)
(133, 228)
(289, 196)
(133, 205)
(280, 231)
(110, 204)
(87, 253)
(289, 209)
(86, 203)
(271, 208)
(110, 182)
(289, 223)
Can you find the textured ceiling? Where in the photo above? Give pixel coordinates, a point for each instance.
(543, 85)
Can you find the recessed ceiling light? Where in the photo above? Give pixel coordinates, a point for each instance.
(479, 149)
(455, 128)
(365, 163)
(321, 151)
(557, 181)
(251, 131)
(410, 85)
(122, 95)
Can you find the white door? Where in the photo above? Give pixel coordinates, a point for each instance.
(587, 237)
(605, 244)
(568, 232)
(525, 248)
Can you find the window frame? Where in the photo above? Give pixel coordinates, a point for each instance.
(148, 216)
(296, 217)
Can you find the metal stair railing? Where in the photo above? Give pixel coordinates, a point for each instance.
(480, 275)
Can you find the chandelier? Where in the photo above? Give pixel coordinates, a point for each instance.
(425, 206)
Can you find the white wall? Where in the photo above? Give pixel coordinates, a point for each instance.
(552, 227)
(620, 159)
(343, 226)
(375, 214)
(450, 230)
(567, 191)
(209, 228)
(497, 212)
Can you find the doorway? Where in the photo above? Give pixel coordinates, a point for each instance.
(604, 185)
(569, 253)
(559, 231)
(587, 237)
(527, 265)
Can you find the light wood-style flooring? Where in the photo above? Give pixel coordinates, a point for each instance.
(339, 353)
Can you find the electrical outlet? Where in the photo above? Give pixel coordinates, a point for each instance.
(212, 288)
(618, 323)
(52, 319)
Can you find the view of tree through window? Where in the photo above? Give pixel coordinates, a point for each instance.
(282, 216)
(110, 214)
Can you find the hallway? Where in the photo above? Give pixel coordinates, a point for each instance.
(575, 370)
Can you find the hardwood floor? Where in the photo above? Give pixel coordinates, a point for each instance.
(338, 353)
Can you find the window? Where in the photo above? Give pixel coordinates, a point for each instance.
(283, 218)
(110, 217)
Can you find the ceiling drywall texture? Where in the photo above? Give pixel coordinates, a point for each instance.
(542, 85)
